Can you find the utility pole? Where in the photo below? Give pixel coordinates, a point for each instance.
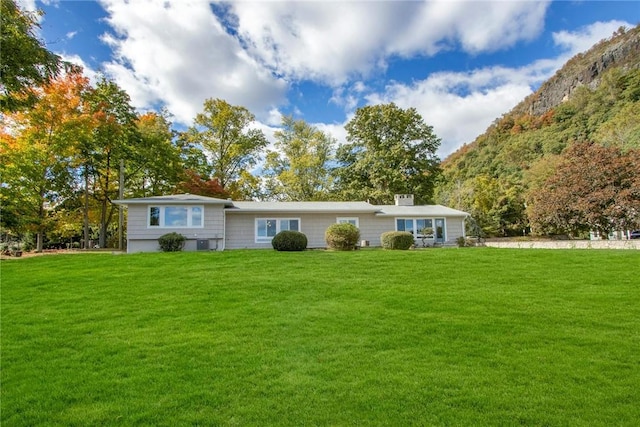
(85, 213)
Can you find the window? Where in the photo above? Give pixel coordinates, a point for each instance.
(424, 227)
(405, 225)
(176, 216)
(353, 221)
(266, 228)
(415, 226)
(154, 216)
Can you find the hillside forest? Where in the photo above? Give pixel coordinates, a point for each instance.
(553, 171)
(71, 147)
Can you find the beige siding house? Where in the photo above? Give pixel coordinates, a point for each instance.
(216, 224)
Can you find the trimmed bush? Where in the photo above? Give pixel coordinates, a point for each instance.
(172, 242)
(466, 242)
(289, 241)
(402, 240)
(342, 237)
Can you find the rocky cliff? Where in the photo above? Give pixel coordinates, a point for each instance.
(621, 50)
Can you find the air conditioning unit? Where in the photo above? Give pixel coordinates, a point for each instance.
(203, 244)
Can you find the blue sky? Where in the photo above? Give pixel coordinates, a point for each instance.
(461, 64)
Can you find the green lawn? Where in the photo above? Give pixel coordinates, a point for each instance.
(430, 337)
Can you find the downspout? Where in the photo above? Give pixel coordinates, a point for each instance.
(464, 226)
(224, 227)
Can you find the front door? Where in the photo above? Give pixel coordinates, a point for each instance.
(440, 232)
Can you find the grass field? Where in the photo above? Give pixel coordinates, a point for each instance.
(431, 337)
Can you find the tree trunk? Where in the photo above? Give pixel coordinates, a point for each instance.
(85, 213)
(102, 238)
(40, 233)
(39, 241)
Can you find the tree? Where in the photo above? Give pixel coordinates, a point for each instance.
(195, 184)
(24, 62)
(246, 187)
(389, 151)
(223, 131)
(38, 148)
(299, 167)
(623, 129)
(155, 166)
(115, 137)
(496, 206)
(594, 188)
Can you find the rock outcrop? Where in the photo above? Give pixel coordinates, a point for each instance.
(622, 50)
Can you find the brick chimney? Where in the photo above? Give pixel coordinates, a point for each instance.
(404, 199)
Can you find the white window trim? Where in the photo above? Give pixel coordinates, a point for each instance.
(417, 235)
(445, 238)
(343, 219)
(268, 239)
(162, 216)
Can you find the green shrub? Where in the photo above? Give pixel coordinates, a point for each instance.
(172, 242)
(402, 240)
(28, 245)
(342, 237)
(467, 242)
(289, 240)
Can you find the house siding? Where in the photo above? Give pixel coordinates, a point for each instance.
(455, 229)
(240, 227)
(141, 238)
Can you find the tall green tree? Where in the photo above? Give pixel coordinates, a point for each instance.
(224, 133)
(115, 137)
(24, 61)
(389, 151)
(594, 188)
(155, 166)
(298, 168)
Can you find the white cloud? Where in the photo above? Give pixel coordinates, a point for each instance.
(475, 26)
(28, 5)
(333, 42)
(274, 118)
(318, 41)
(71, 34)
(336, 130)
(177, 53)
(586, 37)
(92, 74)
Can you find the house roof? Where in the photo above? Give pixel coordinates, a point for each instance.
(329, 207)
(346, 208)
(420, 210)
(176, 199)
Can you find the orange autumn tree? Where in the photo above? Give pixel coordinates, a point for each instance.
(195, 184)
(38, 149)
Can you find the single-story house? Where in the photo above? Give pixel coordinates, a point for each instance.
(217, 224)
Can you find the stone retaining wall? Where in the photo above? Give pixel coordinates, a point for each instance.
(569, 244)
